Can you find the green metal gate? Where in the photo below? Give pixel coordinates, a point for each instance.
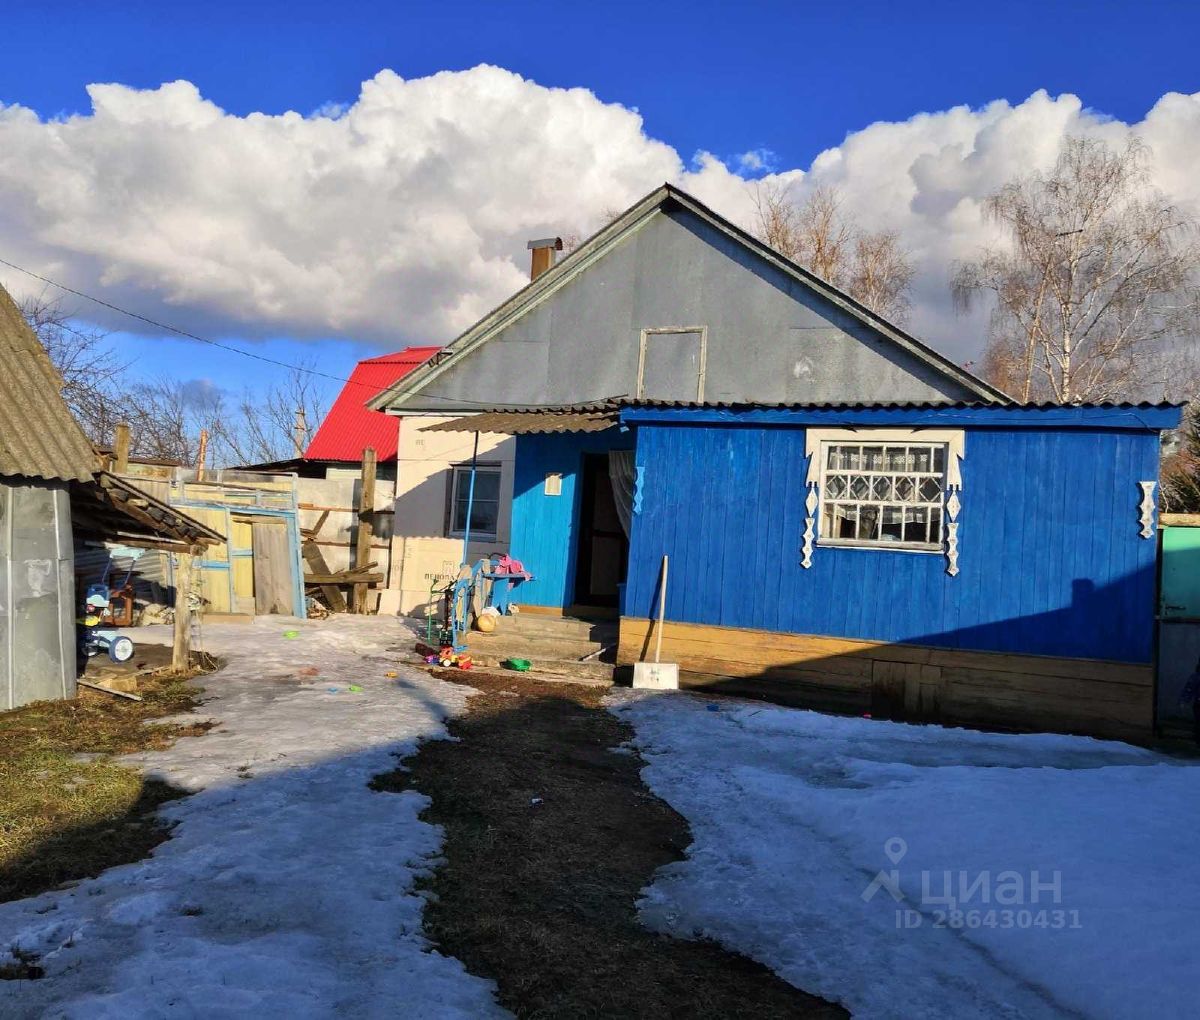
(1179, 618)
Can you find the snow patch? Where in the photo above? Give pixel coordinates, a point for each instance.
(287, 886)
(795, 815)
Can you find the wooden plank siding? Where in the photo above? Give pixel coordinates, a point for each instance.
(545, 529)
(900, 681)
(1051, 560)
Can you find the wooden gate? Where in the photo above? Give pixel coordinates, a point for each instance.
(273, 570)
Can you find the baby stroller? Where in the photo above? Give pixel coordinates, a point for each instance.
(97, 635)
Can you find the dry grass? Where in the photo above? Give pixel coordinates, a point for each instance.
(65, 815)
(540, 896)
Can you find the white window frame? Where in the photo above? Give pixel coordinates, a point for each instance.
(646, 334)
(463, 471)
(817, 442)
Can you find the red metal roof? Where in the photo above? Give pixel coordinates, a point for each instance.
(350, 428)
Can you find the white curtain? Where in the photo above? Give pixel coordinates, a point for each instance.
(621, 471)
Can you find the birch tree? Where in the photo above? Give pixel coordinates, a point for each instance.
(1094, 284)
(873, 267)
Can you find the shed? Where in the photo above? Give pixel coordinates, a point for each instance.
(52, 489)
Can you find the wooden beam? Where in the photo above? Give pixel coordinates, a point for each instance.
(339, 545)
(315, 560)
(121, 440)
(340, 509)
(108, 690)
(181, 647)
(355, 577)
(366, 503)
(1179, 520)
(202, 456)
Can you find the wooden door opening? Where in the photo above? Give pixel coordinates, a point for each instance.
(602, 554)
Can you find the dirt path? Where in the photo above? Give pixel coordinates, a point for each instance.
(550, 836)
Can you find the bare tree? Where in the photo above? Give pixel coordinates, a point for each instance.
(266, 419)
(1096, 275)
(92, 370)
(1181, 466)
(166, 417)
(871, 266)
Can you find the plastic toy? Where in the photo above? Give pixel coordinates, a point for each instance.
(98, 637)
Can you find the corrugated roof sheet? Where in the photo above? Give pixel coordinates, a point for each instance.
(879, 405)
(350, 427)
(621, 403)
(39, 438)
(532, 421)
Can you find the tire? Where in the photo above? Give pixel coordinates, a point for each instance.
(120, 649)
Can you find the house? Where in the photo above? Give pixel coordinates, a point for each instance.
(977, 563)
(55, 497)
(670, 301)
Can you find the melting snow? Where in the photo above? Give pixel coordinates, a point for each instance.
(795, 815)
(286, 889)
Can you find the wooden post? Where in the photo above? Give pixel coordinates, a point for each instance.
(180, 651)
(366, 504)
(202, 455)
(121, 448)
(662, 611)
(299, 433)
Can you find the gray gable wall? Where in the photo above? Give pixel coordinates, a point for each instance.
(769, 337)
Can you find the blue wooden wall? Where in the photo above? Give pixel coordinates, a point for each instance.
(545, 529)
(1051, 558)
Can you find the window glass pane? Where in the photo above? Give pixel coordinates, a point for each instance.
(873, 458)
(487, 484)
(485, 508)
(930, 490)
(893, 523)
(868, 523)
(939, 459)
(916, 520)
(935, 525)
(484, 516)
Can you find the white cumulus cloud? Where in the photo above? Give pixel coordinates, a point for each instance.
(403, 216)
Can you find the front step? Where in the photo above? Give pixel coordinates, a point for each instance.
(506, 645)
(566, 628)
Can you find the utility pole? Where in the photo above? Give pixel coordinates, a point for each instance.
(300, 433)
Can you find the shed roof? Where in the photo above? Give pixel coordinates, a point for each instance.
(530, 422)
(113, 507)
(350, 427)
(39, 437)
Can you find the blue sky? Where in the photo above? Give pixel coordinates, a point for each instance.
(790, 78)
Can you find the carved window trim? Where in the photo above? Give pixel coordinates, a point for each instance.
(954, 441)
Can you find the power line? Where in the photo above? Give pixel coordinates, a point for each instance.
(250, 354)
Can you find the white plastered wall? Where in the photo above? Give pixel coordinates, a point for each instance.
(421, 550)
